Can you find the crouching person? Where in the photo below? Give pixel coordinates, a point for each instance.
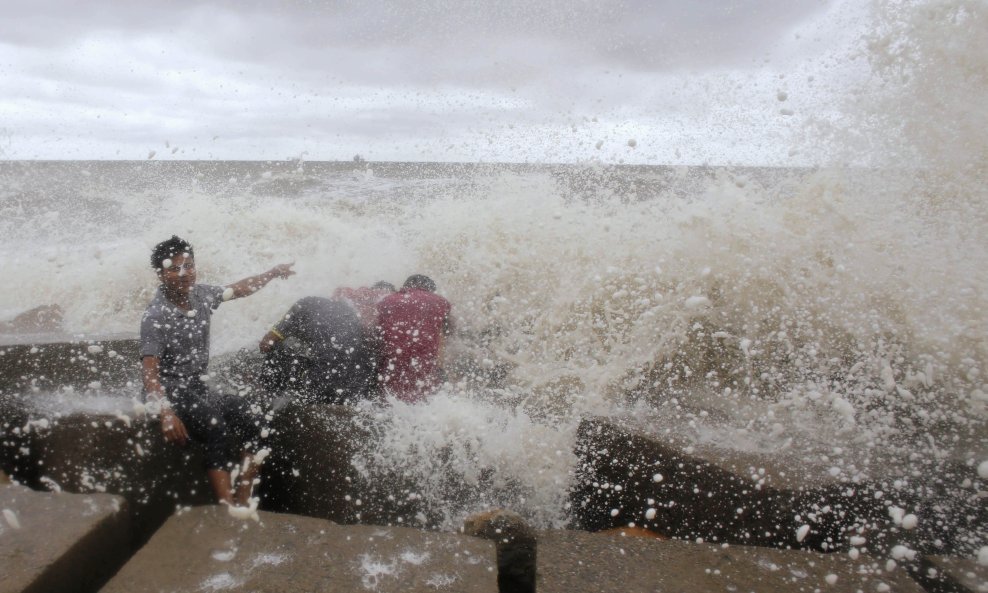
(175, 356)
(338, 363)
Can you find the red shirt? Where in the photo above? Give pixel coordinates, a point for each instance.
(363, 300)
(412, 325)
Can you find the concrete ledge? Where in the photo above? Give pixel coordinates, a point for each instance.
(206, 549)
(310, 470)
(577, 562)
(14, 453)
(60, 542)
(779, 500)
(944, 574)
(49, 362)
(516, 547)
(623, 474)
(110, 453)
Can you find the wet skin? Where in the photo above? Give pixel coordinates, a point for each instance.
(178, 279)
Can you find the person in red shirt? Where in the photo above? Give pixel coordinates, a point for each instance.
(364, 300)
(412, 327)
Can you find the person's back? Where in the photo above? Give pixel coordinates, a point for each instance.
(342, 365)
(412, 326)
(364, 300)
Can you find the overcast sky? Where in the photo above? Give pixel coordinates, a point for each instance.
(513, 80)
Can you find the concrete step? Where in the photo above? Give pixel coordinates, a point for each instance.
(308, 471)
(58, 541)
(782, 499)
(52, 362)
(947, 574)
(86, 452)
(204, 549)
(578, 562)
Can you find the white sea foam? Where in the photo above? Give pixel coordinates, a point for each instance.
(840, 304)
(11, 518)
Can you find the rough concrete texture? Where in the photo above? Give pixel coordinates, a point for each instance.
(574, 562)
(54, 362)
(310, 471)
(516, 547)
(118, 454)
(205, 549)
(944, 574)
(13, 451)
(59, 542)
(626, 476)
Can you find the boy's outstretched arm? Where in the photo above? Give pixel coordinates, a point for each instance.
(252, 284)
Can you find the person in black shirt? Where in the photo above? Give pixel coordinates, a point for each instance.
(336, 361)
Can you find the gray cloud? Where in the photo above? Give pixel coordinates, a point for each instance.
(390, 73)
(630, 33)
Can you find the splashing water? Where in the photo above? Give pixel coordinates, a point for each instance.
(749, 308)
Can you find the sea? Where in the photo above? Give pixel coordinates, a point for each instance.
(839, 307)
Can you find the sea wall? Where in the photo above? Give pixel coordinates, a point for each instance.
(35, 363)
(70, 543)
(779, 499)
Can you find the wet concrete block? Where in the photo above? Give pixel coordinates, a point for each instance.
(60, 542)
(206, 549)
(310, 470)
(945, 574)
(626, 476)
(575, 562)
(95, 453)
(14, 454)
(50, 362)
(516, 547)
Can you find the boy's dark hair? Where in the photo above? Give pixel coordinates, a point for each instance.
(169, 249)
(421, 282)
(385, 285)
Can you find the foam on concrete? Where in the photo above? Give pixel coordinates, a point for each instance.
(954, 575)
(59, 542)
(50, 362)
(83, 452)
(206, 549)
(310, 470)
(781, 499)
(581, 562)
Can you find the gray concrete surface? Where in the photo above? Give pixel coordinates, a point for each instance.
(946, 574)
(309, 471)
(205, 549)
(761, 498)
(581, 562)
(118, 454)
(516, 547)
(53, 361)
(59, 542)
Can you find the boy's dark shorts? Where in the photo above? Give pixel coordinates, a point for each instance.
(225, 425)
